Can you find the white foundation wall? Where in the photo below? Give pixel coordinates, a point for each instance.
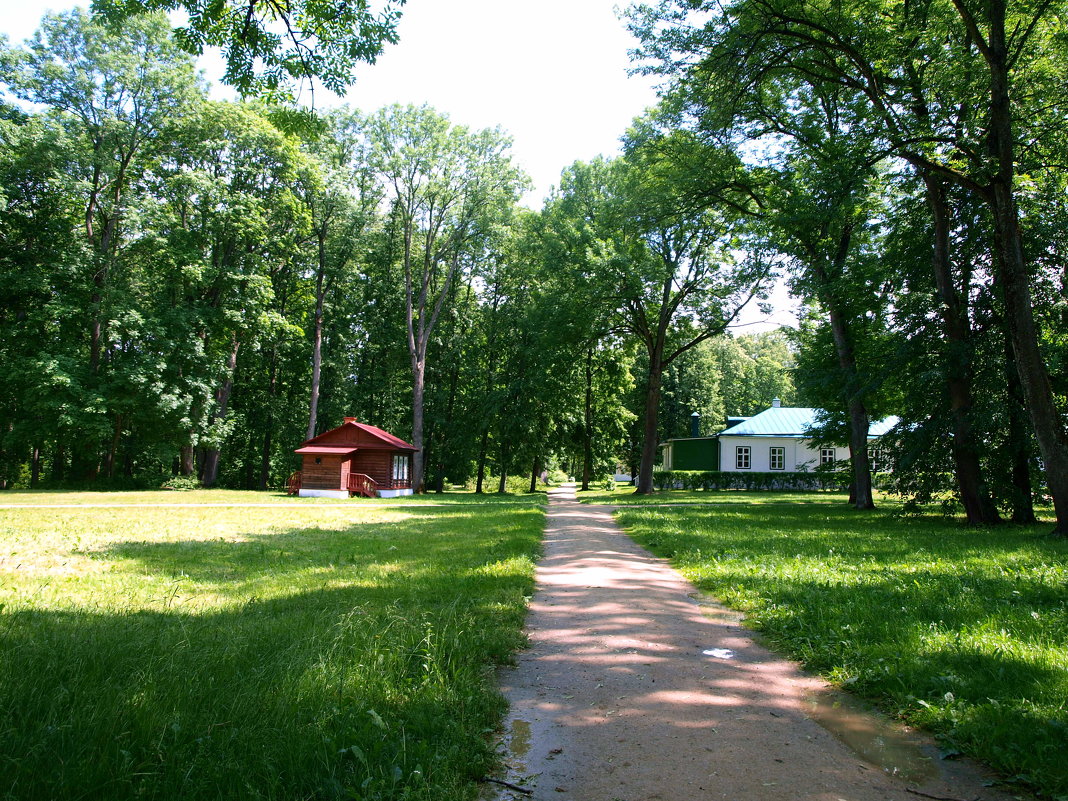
(315, 493)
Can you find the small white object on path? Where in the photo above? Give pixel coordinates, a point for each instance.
(632, 690)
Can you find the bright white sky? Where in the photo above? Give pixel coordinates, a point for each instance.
(553, 74)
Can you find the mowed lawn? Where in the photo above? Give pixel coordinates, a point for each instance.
(308, 651)
(962, 631)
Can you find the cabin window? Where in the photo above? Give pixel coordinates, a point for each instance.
(318, 459)
(400, 468)
(827, 456)
(741, 457)
(777, 459)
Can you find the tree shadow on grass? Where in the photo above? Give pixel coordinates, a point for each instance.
(321, 676)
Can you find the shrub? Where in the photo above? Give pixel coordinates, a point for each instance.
(748, 480)
(182, 483)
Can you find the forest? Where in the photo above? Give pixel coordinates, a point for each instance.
(192, 287)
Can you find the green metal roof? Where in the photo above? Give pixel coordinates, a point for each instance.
(792, 421)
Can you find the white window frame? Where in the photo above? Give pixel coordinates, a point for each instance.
(828, 456)
(875, 458)
(743, 457)
(400, 467)
(777, 454)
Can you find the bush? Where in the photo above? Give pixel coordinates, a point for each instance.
(182, 483)
(748, 480)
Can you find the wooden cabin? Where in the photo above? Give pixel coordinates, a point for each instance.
(353, 459)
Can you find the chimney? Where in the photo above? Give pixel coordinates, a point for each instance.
(350, 419)
(775, 403)
(695, 425)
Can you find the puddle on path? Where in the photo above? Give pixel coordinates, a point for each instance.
(518, 740)
(875, 739)
(715, 611)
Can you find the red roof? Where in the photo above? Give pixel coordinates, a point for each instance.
(350, 436)
(328, 450)
(396, 442)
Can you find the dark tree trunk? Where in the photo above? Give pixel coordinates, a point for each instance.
(859, 422)
(974, 491)
(265, 456)
(317, 339)
(1015, 276)
(185, 455)
(59, 462)
(482, 448)
(534, 475)
(502, 484)
(222, 400)
(113, 447)
(649, 432)
(587, 424)
(1017, 437)
(418, 390)
(35, 466)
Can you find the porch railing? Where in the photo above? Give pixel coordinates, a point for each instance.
(361, 484)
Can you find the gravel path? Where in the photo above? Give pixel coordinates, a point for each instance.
(633, 690)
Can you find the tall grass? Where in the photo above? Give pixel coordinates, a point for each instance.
(338, 651)
(959, 630)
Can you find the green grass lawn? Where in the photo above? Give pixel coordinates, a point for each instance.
(238, 497)
(340, 650)
(962, 631)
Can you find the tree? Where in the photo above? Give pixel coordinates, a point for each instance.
(113, 96)
(936, 105)
(663, 265)
(268, 46)
(448, 188)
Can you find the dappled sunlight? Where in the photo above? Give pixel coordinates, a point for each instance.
(628, 665)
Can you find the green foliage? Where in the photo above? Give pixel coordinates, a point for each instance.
(343, 649)
(960, 631)
(749, 480)
(185, 483)
(270, 48)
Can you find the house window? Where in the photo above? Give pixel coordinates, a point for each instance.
(741, 457)
(827, 456)
(400, 468)
(777, 459)
(875, 459)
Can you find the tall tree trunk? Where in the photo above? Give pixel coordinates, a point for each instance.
(113, 447)
(587, 424)
(482, 449)
(35, 466)
(317, 339)
(265, 456)
(534, 474)
(859, 422)
(974, 491)
(186, 455)
(649, 433)
(1017, 435)
(1015, 276)
(502, 483)
(222, 400)
(268, 423)
(418, 387)
(59, 462)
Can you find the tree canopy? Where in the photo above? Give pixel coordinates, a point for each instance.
(190, 287)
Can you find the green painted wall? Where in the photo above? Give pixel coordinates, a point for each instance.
(695, 454)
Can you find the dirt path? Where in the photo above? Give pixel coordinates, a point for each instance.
(632, 691)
